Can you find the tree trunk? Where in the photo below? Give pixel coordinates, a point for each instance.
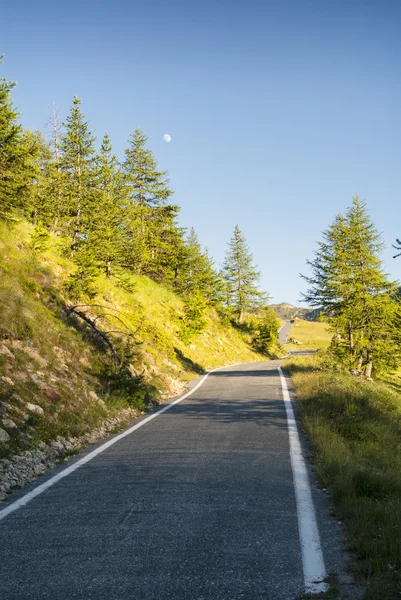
(351, 338)
(369, 366)
(360, 361)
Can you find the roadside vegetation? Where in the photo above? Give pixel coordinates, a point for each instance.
(354, 428)
(349, 395)
(107, 305)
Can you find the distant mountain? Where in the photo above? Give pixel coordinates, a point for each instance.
(287, 312)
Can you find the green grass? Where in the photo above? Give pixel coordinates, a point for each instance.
(354, 427)
(52, 352)
(312, 335)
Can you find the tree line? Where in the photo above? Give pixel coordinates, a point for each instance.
(115, 217)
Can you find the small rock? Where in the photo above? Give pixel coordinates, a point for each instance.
(35, 378)
(34, 408)
(4, 351)
(6, 380)
(4, 437)
(9, 424)
(93, 396)
(51, 394)
(58, 447)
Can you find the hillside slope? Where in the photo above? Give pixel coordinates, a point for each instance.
(287, 312)
(59, 381)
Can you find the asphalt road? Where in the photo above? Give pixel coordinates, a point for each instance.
(198, 504)
(284, 332)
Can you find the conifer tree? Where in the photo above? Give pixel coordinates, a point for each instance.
(241, 278)
(148, 186)
(51, 202)
(18, 157)
(349, 283)
(196, 272)
(155, 236)
(77, 163)
(106, 231)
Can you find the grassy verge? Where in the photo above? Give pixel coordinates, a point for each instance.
(311, 335)
(354, 428)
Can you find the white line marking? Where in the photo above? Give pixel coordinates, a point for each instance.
(50, 482)
(312, 556)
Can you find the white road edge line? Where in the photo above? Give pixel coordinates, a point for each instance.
(82, 461)
(312, 556)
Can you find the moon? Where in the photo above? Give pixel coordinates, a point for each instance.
(167, 138)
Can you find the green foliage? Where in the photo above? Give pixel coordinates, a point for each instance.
(265, 331)
(148, 186)
(193, 321)
(77, 165)
(348, 282)
(354, 427)
(40, 238)
(81, 283)
(196, 273)
(18, 158)
(106, 230)
(241, 278)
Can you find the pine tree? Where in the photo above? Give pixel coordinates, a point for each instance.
(241, 278)
(18, 157)
(77, 164)
(148, 186)
(106, 230)
(196, 273)
(349, 283)
(51, 206)
(155, 237)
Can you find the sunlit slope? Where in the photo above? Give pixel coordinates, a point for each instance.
(56, 365)
(311, 335)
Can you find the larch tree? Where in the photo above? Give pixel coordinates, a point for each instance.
(349, 283)
(18, 157)
(106, 230)
(153, 227)
(148, 186)
(54, 186)
(196, 273)
(241, 278)
(77, 163)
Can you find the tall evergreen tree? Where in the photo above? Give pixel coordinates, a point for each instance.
(349, 283)
(106, 230)
(155, 236)
(148, 186)
(196, 273)
(18, 157)
(241, 278)
(77, 163)
(51, 202)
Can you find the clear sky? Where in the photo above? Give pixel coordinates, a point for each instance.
(279, 111)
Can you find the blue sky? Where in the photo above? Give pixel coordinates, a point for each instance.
(279, 112)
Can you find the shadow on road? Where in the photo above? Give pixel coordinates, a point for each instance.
(265, 413)
(259, 373)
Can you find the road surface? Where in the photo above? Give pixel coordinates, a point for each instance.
(197, 504)
(284, 332)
